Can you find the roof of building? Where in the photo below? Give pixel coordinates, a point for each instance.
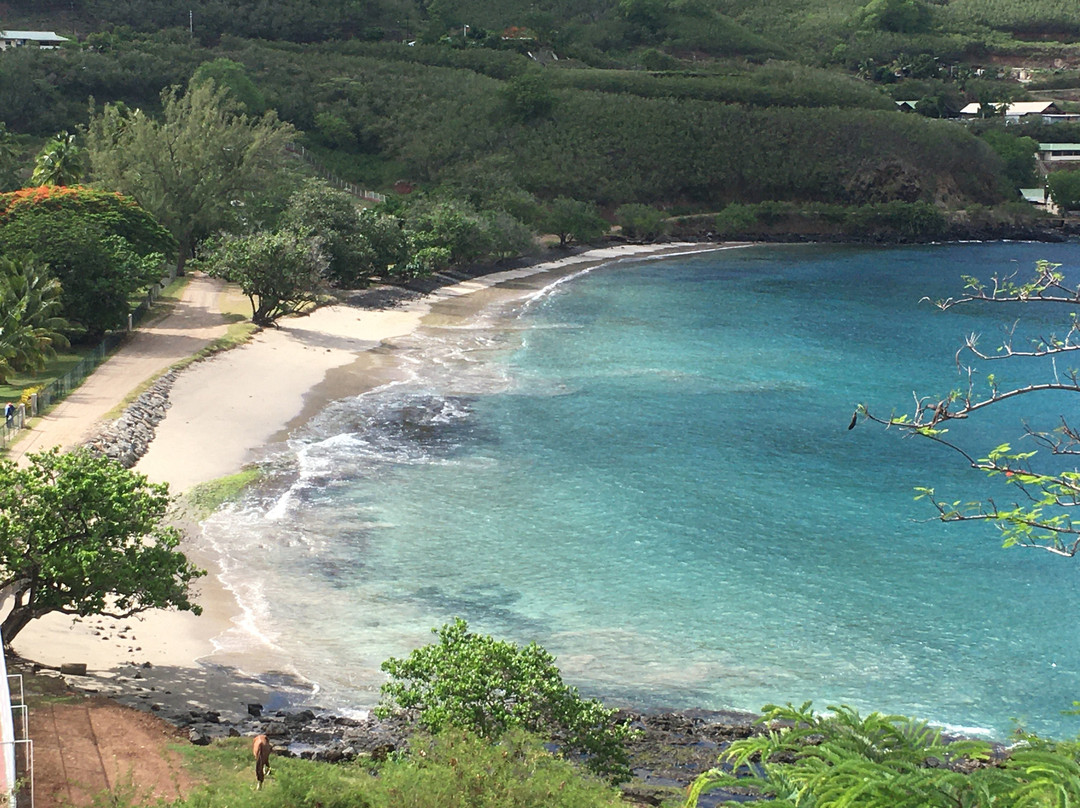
(1016, 108)
(34, 36)
(1059, 147)
(1029, 107)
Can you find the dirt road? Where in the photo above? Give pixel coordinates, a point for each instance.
(195, 321)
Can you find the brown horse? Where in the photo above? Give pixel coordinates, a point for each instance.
(261, 750)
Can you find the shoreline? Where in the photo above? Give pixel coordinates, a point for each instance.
(226, 413)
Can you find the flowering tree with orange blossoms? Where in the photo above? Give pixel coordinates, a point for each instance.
(101, 246)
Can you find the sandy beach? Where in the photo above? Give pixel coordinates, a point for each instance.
(225, 411)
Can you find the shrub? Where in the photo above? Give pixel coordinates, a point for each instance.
(916, 220)
(641, 222)
(736, 219)
(888, 760)
(487, 686)
(461, 770)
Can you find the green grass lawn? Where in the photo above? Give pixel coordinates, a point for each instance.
(12, 388)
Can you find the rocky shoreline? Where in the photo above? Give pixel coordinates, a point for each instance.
(670, 750)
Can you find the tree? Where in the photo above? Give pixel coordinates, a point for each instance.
(9, 160)
(488, 686)
(60, 162)
(101, 246)
(1045, 487)
(648, 15)
(1018, 154)
(30, 329)
(528, 97)
(447, 223)
(899, 16)
(574, 220)
(195, 168)
(1064, 189)
(232, 76)
(641, 222)
(81, 535)
(357, 243)
(278, 271)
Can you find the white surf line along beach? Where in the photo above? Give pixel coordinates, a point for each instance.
(223, 411)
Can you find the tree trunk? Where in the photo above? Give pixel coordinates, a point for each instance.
(183, 253)
(16, 621)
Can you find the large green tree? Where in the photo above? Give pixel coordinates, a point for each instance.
(81, 535)
(488, 686)
(279, 271)
(102, 247)
(357, 243)
(234, 77)
(197, 168)
(573, 220)
(1018, 154)
(1065, 189)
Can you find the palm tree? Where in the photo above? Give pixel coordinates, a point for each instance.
(60, 162)
(9, 159)
(30, 331)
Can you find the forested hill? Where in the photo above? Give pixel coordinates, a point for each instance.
(688, 105)
(779, 28)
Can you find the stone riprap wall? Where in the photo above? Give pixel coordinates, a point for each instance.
(128, 437)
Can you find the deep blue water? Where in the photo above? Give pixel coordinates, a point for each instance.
(647, 469)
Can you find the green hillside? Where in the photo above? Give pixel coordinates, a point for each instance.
(686, 105)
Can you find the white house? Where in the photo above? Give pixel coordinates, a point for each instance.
(43, 39)
(1059, 152)
(1047, 111)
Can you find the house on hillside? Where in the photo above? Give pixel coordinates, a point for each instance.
(1044, 111)
(1057, 153)
(1040, 198)
(18, 39)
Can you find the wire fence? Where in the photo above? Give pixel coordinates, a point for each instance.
(336, 181)
(41, 398)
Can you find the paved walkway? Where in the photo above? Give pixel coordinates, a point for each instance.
(195, 321)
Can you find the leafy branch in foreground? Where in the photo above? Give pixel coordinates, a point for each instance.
(487, 686)
(1045, 494)
(807, 759)
(82, 535)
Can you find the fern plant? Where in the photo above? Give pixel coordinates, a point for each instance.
(842, 759)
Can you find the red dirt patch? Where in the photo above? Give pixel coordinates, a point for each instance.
(84, 746)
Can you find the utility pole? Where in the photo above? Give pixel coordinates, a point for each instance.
(190, 23)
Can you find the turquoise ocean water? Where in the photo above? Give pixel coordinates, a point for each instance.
(647, 469)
